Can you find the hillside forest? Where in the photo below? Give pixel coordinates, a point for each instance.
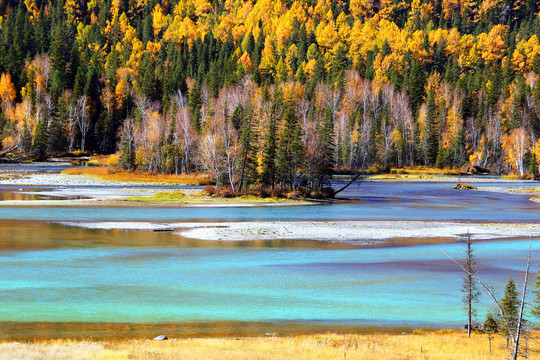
(270, 91)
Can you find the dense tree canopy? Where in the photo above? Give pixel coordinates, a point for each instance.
(270, 90)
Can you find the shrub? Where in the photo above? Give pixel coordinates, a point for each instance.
(113, 160)
(226, 193)
(293, 194)
(92, 163)
(210, 190)
(258, 190)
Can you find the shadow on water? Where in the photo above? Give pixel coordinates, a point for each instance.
(21, 235)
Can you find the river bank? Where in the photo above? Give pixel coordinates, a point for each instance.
(87, 190)
(418, 345)
(359, 233)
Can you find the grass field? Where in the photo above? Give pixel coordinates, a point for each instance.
(445, 345)
(112, 174)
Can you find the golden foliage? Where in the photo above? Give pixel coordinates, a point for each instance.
(8, 92)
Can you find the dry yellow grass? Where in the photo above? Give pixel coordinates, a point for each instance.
(424, 170)
(444, 345)
(112, 174)
(103, 160)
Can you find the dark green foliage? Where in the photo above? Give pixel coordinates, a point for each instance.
(40, 145)
(248, 150)
(268, 177)
(416, 89)
(290, 150)
(510, 308)
(147, 78)
(90, 57)
(470, 287)
(536, 300)
(490, 324)
(195, 105)
(431, 132)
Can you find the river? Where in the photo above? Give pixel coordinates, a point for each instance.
(76, 282)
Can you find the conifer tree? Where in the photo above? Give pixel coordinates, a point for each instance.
(510, 308)
(268, 177)
(248, 150)
(470, 289)
(416, 89)
(195, 105)
(290, 150)
(536, 300)
(39, 147)
(431, 136)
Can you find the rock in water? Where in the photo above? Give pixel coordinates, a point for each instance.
(463, 186)
(160, 337)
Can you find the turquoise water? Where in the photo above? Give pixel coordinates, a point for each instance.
(406, 286)
(76, 279)
(376, 200)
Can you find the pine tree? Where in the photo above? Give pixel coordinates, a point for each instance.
(237, 118)
(248, 150)
(194, 106)
(510, 308)
(470, 289)
(490, 327)
(416, 88)
(290, 150)
(39, 147)
(431, 136)
(57, 141)
(268, 177)
(147, 78)
(536, 301)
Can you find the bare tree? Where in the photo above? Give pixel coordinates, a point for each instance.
(186, 134)
(83, 120)
(210, 155)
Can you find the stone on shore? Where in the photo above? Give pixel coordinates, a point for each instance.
(161, 338)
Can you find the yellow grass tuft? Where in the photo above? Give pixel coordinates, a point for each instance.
(443, 345)
(424, 170)
(103, 160)
(112, 174)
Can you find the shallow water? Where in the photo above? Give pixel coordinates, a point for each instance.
(70, 280)
(375, 200)
(397, 286)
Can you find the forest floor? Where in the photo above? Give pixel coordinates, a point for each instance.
(443, 345)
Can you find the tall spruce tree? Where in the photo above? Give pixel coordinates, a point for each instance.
(470, 288)
(536, 300)
(290, 150)
(416, 88)
(195, 106)
(431, 132)
(510, 308)
(39, 147)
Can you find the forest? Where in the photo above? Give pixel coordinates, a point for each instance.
(273, 92)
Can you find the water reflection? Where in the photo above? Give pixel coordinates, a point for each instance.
(20, 235)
